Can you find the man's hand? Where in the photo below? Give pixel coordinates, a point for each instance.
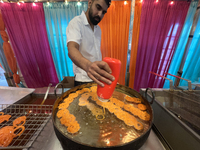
(99, 71)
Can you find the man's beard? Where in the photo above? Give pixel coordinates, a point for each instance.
(92, 19)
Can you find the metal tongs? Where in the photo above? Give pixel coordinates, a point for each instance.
(47, 92)
(189, 82)
(170, 81)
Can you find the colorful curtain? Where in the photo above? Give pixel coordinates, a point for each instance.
(26, 28)
(160, 26)
(191, 69)
(178, 55)
(9, 54)
(57, 16)
(134, 43)
(3, 60)
(115, 31)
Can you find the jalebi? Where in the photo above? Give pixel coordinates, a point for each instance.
(7, 134)
(142, 107)
(4, 117)
(19, 121)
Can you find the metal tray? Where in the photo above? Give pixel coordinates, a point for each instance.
(36, 118)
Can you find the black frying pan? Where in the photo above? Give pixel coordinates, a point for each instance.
(110, 133)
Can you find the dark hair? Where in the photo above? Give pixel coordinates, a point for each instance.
(108, 2)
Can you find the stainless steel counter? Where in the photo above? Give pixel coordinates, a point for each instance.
(171, 122)
(11, 95)
(47, 140)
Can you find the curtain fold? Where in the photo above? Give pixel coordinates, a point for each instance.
(115, 31)
(57, 16)
(178, 54)
(3, 60)
(9, 54)
(191, 69)
(26, 28)
(135, 39)
(160, 26)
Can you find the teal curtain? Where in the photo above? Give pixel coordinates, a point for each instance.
(178, 55)
(1, 51)
(191, 69)
(57, 17)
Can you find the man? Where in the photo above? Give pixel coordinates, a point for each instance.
(83, 42)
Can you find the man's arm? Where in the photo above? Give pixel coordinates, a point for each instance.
(98, 71)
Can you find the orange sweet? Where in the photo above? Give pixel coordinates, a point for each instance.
(142, 107)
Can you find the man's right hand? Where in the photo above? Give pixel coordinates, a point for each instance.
(99, 71)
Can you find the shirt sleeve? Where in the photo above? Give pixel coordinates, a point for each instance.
(73, 32)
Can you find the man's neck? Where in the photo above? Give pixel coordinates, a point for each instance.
(88, 19)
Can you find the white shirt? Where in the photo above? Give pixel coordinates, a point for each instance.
(80, 31)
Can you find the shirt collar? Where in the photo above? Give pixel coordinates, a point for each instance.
(84, 19)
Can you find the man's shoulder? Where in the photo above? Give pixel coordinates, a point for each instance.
(76, 20)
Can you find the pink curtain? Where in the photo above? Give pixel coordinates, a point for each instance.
(160, 27)
(26, 28)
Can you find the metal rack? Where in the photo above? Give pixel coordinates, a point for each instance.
(184, 104)
(36, 118)
(176, 116)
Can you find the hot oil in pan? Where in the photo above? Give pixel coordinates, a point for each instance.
(110, 131)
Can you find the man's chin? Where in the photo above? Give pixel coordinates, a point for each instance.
(95, 22)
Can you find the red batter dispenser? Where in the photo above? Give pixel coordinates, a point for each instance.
(104, 93)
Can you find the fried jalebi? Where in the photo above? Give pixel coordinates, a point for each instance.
(6, 129)
(62, 112)
(142, 107)
(83, 100)
(128, 119)
(117, 102)
(84, 90)
(114, 106)
(96, 111)
(93, 88)
(71, 98)
(137, 112)
(4, 117)
(73, 128)
(132, 99)
(66, 118)
(5, 139)
(70, 122)
(7, 134)
(64, 105)
(19, 121)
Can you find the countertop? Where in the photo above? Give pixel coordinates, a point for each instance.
(11, 95)
(47, 139)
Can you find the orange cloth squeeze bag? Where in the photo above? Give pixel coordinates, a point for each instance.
(104, 93)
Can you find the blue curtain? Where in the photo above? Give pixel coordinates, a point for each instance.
(1, 52)
(57, 17)
(178, 55)
(191, 69)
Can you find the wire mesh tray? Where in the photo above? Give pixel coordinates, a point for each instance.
(36, 118)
